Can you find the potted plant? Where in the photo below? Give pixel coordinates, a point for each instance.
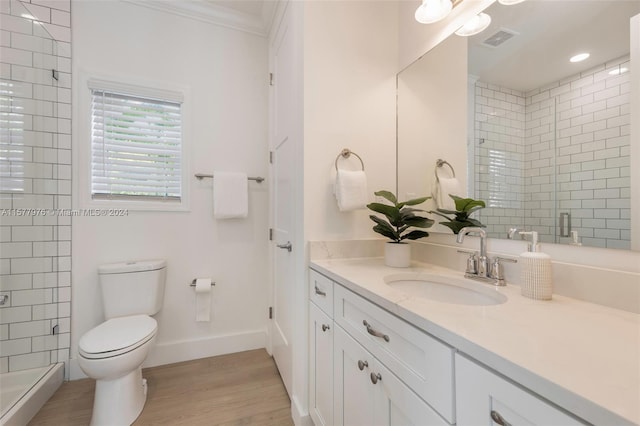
(398, 219)
(460, 219)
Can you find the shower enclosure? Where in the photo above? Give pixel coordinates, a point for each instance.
(556, 159)
(35, 203)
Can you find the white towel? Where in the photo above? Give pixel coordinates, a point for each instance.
(351, 190)
(446, 187)
(230, 195)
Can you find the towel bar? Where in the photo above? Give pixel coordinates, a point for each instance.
(441, 163)
(346, 153)
(201, 176)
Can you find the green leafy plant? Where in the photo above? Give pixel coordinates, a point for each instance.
(399, 218)
(460, 219)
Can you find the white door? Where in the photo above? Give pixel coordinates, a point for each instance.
(282, 198)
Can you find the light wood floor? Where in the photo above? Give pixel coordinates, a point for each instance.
(237, 389)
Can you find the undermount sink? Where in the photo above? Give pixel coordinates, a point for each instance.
(445, 289)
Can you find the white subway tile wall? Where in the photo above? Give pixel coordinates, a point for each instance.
(561, 156)
(35, 184)
(499, 135)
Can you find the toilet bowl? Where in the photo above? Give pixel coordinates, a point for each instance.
(113, 353)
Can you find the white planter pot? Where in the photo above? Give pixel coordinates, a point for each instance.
(397, 255)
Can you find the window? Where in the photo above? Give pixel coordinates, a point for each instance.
(136, 144)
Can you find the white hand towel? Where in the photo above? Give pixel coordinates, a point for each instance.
(446, 187)
(230, 195)
(351, 190)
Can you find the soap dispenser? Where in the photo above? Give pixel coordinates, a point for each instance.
(536, 279)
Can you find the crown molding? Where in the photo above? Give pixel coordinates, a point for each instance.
(214, 14)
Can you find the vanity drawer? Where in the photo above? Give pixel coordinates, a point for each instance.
(419, 360)
(321, 292)
(483, 395)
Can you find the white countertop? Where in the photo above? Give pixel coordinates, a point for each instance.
(581, 356)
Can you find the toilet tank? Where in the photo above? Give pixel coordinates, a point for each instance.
(131, 288)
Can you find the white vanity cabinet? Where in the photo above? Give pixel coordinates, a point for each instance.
(360, 377)
(416, 358)
(368, 394)
(483, 397)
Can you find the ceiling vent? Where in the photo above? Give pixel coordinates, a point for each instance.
(499, 37)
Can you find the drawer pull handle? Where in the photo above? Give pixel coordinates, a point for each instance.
(498, 419)
(362, 364)
(375, 377)
(325, 327)
(320, 292)
(373, 332)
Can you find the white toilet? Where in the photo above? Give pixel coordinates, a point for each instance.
(113, 352)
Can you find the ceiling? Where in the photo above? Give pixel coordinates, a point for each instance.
(548, 33)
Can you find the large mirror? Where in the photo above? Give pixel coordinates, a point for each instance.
(545, 142)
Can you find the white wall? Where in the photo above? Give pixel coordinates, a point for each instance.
(427, 130)
(350, 52)
(226, 71)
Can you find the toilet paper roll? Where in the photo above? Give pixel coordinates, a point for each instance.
(203, 299)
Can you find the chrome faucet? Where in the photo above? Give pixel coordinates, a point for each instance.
(481, 268)
(483, 261)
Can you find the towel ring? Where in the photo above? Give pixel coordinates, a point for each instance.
(441, 163)
(346, 153)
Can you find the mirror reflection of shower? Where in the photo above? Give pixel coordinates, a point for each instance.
(556, 159)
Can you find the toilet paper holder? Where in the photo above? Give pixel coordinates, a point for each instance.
(193, 283)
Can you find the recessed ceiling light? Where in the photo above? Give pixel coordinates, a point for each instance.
(509, 2)
(579, 57)
(475, 25)
(618, 71)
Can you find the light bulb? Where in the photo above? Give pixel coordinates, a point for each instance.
(475, 25)
(433, 10)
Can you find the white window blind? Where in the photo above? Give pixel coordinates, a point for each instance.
(136, 147)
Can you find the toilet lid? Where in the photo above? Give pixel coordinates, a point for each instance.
(117, 335)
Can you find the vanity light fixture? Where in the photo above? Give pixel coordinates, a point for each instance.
(579, 57)
(509, 2)
(431, 11)
(475, 25)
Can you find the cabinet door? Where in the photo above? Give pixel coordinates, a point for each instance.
(484, 398)
(354, 398)
(369, 394)
(320, 367)
(397, 405)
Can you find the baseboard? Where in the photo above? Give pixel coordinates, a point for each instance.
(186, 350)
(299, 418)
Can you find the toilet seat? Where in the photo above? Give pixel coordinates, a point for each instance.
(117, 336)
